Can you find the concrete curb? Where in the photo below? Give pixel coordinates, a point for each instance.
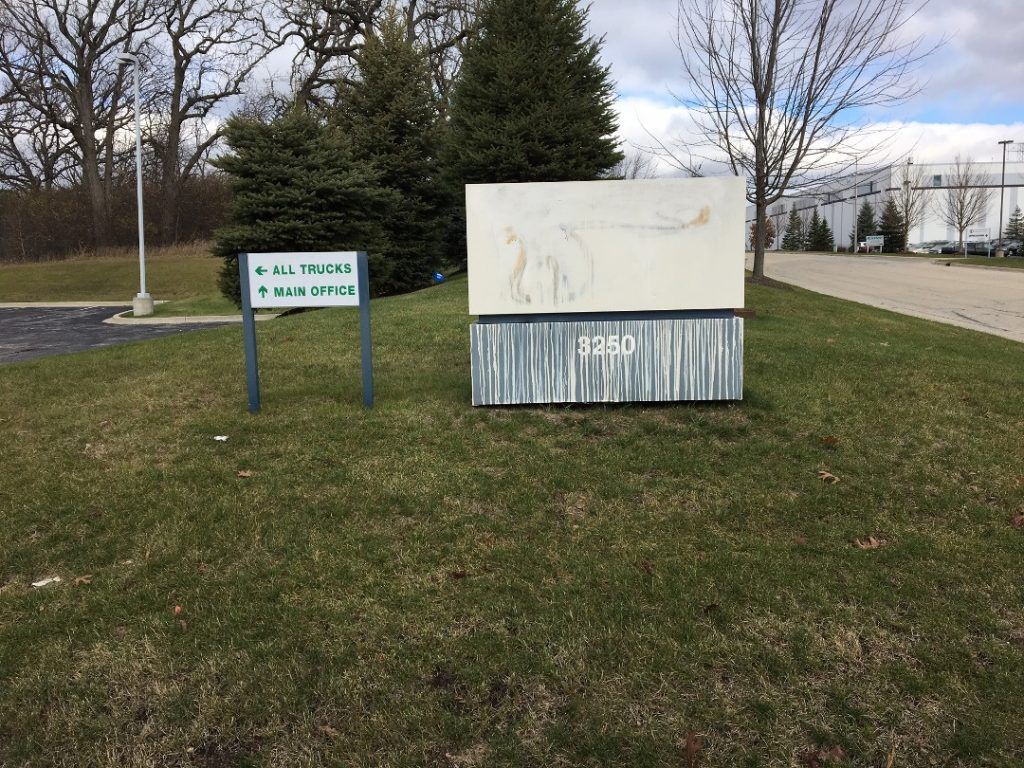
(61, 304)
(120, 319)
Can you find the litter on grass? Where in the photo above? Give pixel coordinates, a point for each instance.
(46, 582)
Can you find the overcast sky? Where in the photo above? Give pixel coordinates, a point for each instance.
(972, 89)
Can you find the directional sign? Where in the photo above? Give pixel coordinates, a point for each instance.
(872, 241)
(303, 280)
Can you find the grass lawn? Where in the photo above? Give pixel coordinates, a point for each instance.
(432, 584)
(181, 272)
(1006, 263)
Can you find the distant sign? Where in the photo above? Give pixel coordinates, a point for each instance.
(978, 233)
(303, 280)
(874, 241)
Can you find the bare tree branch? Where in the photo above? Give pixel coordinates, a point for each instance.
(965, 198)
(779, 87)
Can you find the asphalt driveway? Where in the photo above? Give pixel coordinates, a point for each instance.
(980, 298)
(37, 332)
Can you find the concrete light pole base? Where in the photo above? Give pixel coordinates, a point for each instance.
(1000, 253)
(142, 305)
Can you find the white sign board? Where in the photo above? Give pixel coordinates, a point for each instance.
(872, 241)
(283, 280)
(606, 246)
(978, 233)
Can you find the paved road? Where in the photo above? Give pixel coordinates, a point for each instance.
(35, 332)
(980, 298)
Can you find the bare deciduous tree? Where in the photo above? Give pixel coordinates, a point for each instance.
(331, 34)
(635, 164)
(911, 197)
(778, 85)
(965, 199)
(212, 46)
(34, 154)
(60, 59)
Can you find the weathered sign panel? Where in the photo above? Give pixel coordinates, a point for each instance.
(606, 291)
(600, 361)
(605, 246)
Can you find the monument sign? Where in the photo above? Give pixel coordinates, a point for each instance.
(606, 291)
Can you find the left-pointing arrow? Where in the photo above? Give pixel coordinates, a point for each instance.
(261, 271)
(263, 291)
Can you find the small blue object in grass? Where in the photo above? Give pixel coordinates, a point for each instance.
(438, 277)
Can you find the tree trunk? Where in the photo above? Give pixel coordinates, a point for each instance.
(761, 209)
(97, 197)
(168, 221)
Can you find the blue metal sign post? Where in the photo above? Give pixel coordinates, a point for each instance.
(304, 280)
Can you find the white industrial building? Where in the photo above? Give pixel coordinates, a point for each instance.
(839, 199)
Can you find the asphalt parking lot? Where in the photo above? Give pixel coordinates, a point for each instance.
(30, 333)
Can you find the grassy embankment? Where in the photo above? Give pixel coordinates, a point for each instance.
(432, 584)
(184, 276)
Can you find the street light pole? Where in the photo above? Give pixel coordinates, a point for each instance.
(142, 305)
(856, 213)
(1002, 188)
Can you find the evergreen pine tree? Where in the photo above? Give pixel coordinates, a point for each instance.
(390, 115)
(1015, 226)
(820, 234)
(826, 241)
(866, 224)
(533, 102)
(891, 227)
(814, 231)
(794, 238)
(295, 187)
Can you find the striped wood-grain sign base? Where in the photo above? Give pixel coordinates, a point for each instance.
(607, 361)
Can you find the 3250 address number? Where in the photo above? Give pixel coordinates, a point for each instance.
(611, 346)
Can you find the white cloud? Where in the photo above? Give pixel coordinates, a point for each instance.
(641, 118)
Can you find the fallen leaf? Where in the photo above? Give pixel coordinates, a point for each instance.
(827, 477)
(87, 579)
(329, 731)
(1017, 521)
(245, 473)
(692, 750)
(869, 543)
(816, 758)
(892, 757)
(647, 567)
(183, 624)
(801, 540)
(177, 610)
(830, 441)
(458, 575)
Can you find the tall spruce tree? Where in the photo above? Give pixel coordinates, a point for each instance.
(891, 227)
(1015, 226)
(814, 230)
(296, 187)
(390, 115)
(533, 102)
(795, 237)
(866, 224)
(820, 234)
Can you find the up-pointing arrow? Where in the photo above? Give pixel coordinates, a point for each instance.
(263, 291)
(261, 271)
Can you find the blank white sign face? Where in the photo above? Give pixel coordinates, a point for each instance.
(606, 246)
(282, 280)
